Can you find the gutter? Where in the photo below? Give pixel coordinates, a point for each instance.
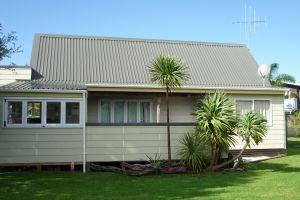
(124, 86)
(44, 91)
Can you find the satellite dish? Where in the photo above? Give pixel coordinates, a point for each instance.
(264, 71)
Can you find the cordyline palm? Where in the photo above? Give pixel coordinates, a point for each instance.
(279, 79)
(216, 123)
(170, 73)
(251, 128)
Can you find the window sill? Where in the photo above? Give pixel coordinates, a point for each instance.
(143, 124)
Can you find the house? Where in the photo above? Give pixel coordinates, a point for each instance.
(90, 99)
(292, 101)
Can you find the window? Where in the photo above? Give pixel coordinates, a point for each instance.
(119, 112)
(34, 112)
(242, 107)
(124, 111)
(132, 112)
(262, 107)
(20, 112)
(14, 115)
(145, 112)
(105, 111)
(53, 112)
(72, 113)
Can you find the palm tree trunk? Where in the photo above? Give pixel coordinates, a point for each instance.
(168, 127)
(213, 156)
(217, 156)
(231, 160)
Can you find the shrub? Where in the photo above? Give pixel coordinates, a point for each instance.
(193, 154)
(155, 161)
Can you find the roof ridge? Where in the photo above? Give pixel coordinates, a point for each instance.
(140, 40)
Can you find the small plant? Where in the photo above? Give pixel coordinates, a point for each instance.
(155, 161)
(193, 154)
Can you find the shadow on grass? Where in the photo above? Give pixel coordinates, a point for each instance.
(116, 186)
(293, 147)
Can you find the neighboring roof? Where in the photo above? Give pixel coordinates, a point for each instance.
(41, 85)
(14, 66)
(122, 61)
(292, 85)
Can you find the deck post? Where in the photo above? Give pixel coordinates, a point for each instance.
(72, 166)
(38, 168)
(158, 110)
(83, 133)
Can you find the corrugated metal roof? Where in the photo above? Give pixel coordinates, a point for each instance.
(42, 85)
(101, 60)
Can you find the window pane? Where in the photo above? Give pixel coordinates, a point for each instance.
(242, 107)
(14, 112)
(53, 112)
(119, 112)
(105, 111)
(132, 112)
(145, 112)
(262, 107)
(72, 112)
(34, 112)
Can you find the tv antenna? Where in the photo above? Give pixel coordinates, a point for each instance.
(250, 23)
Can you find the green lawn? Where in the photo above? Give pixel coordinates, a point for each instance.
(274, 179)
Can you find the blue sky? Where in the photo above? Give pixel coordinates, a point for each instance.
(210, 20)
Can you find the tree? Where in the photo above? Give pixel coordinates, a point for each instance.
(216, 123)
(170, 73)
(279, 79)
(252, 128)
(7, 44)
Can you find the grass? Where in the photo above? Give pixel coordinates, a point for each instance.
(273, 179)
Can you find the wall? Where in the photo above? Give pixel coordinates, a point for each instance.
(131, 143)
(39, 145)
(180, 106)
(180, 111)
(11, 74)
(275, 137)
(115, 143)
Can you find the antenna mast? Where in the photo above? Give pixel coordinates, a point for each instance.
(250, 22)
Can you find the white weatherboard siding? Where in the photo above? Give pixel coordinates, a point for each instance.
(39, 145)
(181, 109)
(118, 143)
(275, 137)
(131, 143)
(9, 75)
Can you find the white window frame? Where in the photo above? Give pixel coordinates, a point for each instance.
(5, 113)
(26, 113)
(61, 114)
(270, 121)
(81, 113)
(137, 110)
(112, 102)
(43, 124)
